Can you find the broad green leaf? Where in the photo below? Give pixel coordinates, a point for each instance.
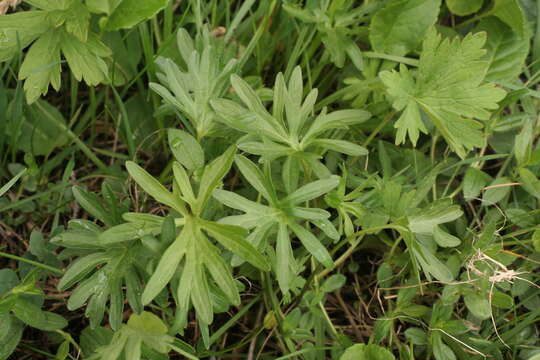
(478, 305)
(233, 238)
(51, 5)
(366, 352)
(393, 32)
(146, 329)
(8, 280)
(502, 300)
(116, 301)
(441, 351)
(41, 66)
(18, 30)
(498, 189)
(78, 239)
(312, 244)
(416, 336)
(510, 12)
(153, 187)
(186, 149)
(102, 6)
(523, 144)
(506, 50)
(133, 291)
(334, 283)
(32, 315)
(296, 111)
(530, 182)
(464, 7)
(148, 322)
(430, 264)
(11, 330)
(313, 190)
(143, 217)
(437, 213)
(130, 12)
(449, 88)
(167, 266)
(185, 286)
(444, 239)
(473, 182)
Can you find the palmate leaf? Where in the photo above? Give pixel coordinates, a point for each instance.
(291, 129)
(133, 340)
(192, 263)
(19, 30)
(102, 271)
(449, 88)
(189, 91)
(62, 27)
(20, 305)
(333, 21)
(283, 215)
(41, 66)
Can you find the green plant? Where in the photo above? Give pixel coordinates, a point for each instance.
(20, 305)
(236, 180)
(64, 28)
(203, 270)
(292, 130)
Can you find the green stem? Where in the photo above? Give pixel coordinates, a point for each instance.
(399, 59)
(33, 197)
(183, 353)
(379, 127)
(31, 262)
(80, 144)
